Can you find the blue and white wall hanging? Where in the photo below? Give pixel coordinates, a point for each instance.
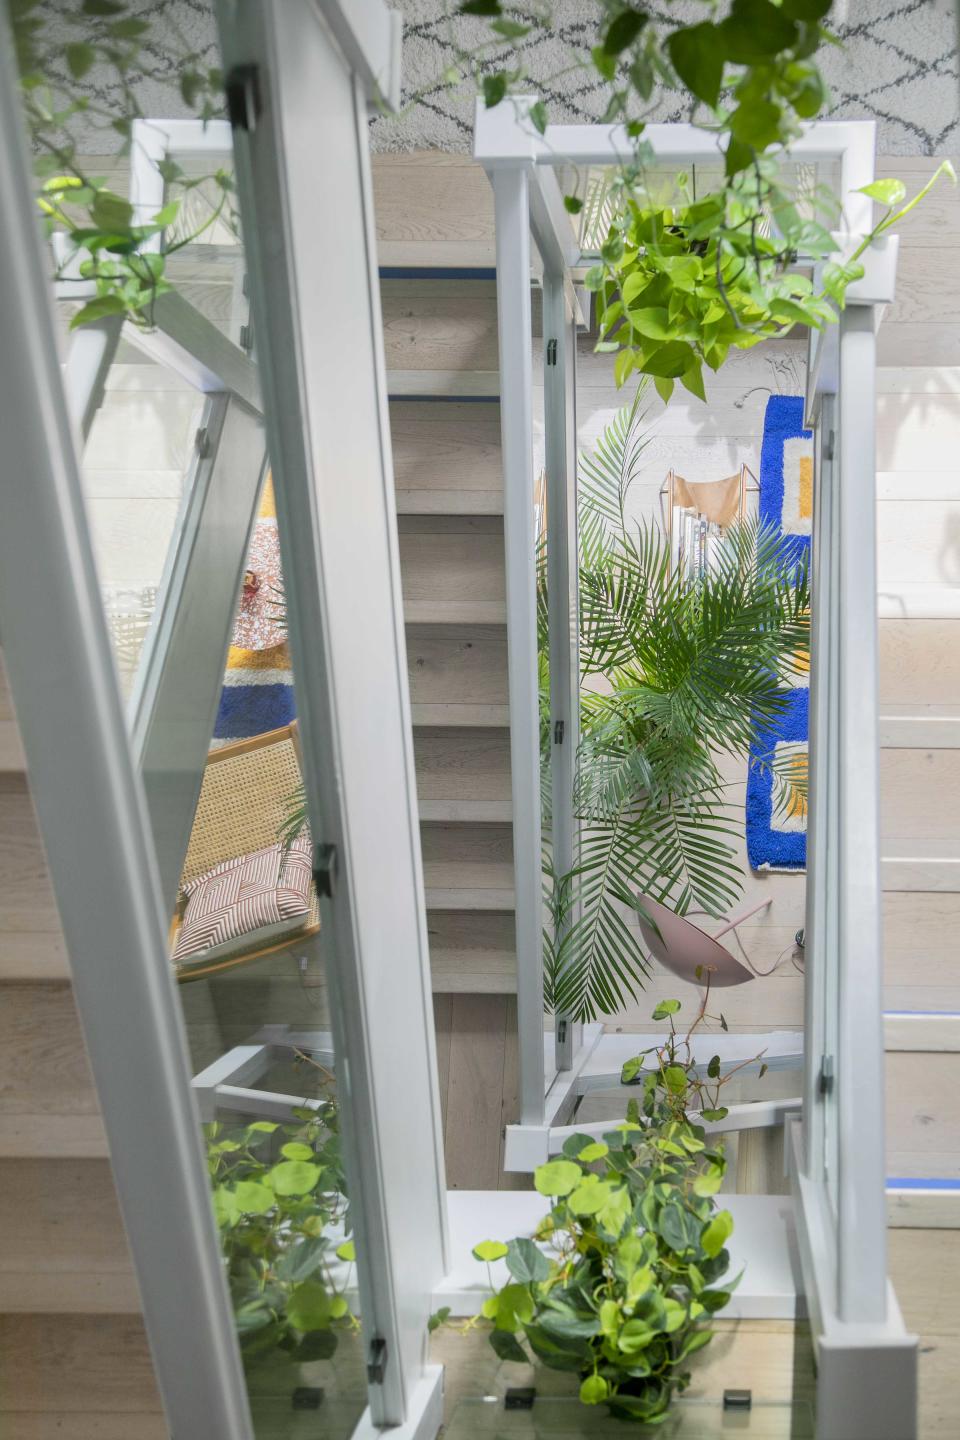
(777, 823)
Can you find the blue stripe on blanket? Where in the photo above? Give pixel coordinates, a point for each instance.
(247, 710)
(768, 847)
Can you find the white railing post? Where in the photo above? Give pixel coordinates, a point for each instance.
(512, 211)
(862, 1288)
(560, 435)
(820, 923)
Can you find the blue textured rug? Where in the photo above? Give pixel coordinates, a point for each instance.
(777, 835)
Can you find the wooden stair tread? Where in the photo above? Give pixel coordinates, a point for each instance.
(449, 502)
(449, 612)
(460, 384)
(70, 1252)
(41, 1135)
(468, 898)
(446, 457)
(493, 812)
(468, 716)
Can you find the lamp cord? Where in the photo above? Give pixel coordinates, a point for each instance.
(791, 950)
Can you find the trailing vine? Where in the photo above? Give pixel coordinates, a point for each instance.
(682, 282)
(100, 239)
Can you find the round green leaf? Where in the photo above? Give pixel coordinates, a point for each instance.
(709, 1182)
(252, 1198)
(596, 1151)
(508, 1347)
(594, 1390)
(225, 1206)
(557, 1177)
(309, 1306)
(887, 192)
(526, 1261)
(589, 1199)
(294, 1177)
(717, 1233)
(296, 1150)
(489, 1250)
(347, 1251)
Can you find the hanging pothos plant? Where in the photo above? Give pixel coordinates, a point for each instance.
(682, 283)
(100, 239)
(680, 286)
(674, 680)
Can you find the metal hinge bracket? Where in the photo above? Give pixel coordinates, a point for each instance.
(825, 1078)
(242, 89)
(325, 869)
(551, 352)
(201, 442)
(377, 1362)
(558, 729)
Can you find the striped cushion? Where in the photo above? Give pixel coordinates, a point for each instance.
(252, 898)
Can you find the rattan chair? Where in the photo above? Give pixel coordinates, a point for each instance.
(241, 809)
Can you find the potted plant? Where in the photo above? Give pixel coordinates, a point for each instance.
(279, 1197)
(620, 1279)
(673, 680)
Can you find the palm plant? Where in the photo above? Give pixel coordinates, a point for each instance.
(674, 681)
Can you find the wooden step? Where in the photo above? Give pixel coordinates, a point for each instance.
(446, 458)
(452, 569)
(913, 863)
(48, 1104)
(920, 932)
(918, 794)
(65, 1250)
(920, 727)
(27, 903)
(472, 953)
(458, 675)
(440, 325)
(89, 1377)
(433, 209)
(919, 662)
(480, 386)
(31, 942)
(468, 867)
(463, 774)
(11, 750)
(923, 1121)
(921, 1031)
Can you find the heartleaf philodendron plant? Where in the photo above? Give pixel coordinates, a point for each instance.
(279, 1196)
(619, 1280)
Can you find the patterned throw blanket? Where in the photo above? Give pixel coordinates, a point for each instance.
(777, 825)
(257, 690)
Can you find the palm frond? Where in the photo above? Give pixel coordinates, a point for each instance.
(679, 676)
(598, 962)
(605, 478)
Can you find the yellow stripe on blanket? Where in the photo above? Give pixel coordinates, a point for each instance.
(274, 657)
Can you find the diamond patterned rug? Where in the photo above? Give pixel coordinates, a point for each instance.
(897, 65)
